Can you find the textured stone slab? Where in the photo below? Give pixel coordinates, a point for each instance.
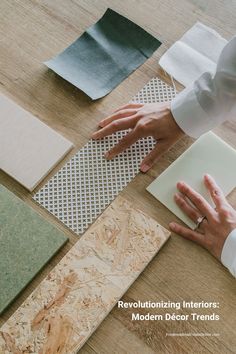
(27, 242)
(29, 149)
(77, 295)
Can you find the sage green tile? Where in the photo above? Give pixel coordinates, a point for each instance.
(27, 242)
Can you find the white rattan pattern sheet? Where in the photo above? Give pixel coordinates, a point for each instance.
(87, 184)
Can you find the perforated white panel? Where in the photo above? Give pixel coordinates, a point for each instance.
(155, 90)
(85, 186)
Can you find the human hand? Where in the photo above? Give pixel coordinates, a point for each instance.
(154, 119)
(217, 224)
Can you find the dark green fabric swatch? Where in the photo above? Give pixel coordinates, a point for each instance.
(27, 242)
(104, 55)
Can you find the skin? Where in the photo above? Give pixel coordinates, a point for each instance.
(154, 119)
(219, 222)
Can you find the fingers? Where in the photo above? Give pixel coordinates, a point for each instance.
(122, 113)
(120, 124)
(187, 233)
(188, 209)
(201, 204)
(130, 105)
(153, 156)
(215, 191)
(124, 143)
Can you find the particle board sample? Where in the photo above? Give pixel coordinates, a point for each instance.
(85, 186)
(27, 242)
(104, 55)
(29, 149)
(209, 154)
(78, 294)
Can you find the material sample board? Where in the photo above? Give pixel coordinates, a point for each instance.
(104, 55)
(27, 242)
(78, 294)
(209, 154)
(87, 184)
(29, 149)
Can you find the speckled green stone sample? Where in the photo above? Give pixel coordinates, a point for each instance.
(27, 242)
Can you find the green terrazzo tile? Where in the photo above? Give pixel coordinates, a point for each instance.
(27, 242)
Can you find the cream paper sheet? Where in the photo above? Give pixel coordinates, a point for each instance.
(193, 54)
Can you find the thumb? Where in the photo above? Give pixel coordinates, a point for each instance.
(159, 149)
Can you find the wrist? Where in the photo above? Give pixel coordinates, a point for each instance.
(174, 125)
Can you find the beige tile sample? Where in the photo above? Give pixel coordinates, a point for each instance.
(209, 154)
(76, 296)
(29, 149)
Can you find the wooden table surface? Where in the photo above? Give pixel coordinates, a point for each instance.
(35, 30)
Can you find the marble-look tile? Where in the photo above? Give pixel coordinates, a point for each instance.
(29, 149)
(77, 295)
(27, 242)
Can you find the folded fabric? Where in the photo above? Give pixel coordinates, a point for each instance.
(104, 55)
(195, 53)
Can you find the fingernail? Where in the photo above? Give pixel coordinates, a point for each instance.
(107, 155)
(94, 135)
(176, 196)
(144, 168)
(207, 175)
(180, 184)
(172, 225)
(101, 124)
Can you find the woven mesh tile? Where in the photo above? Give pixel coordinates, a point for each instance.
(87, 184)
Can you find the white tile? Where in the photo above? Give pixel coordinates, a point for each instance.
(29, 149)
